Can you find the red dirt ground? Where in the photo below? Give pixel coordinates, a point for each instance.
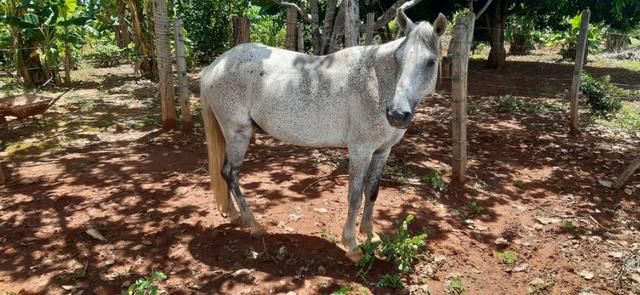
(146, 192)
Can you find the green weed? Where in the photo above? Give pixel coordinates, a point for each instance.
(435, 179)
(568, 224)
(518, 183)
(344, 290)
(455, 286)
(332, 238)
(146, 285)
(477, 208)
(508, 257)
(389, 281)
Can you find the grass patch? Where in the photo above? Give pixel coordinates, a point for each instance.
(626, 120)
(455, 286)
(512, 104)
(508, 257)
(435, 179)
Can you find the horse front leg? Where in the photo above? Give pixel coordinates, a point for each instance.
(371, 186)
(358, 166)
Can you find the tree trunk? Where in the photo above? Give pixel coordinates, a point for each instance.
(163, 53)
(338, 30)
(146, 62)
(327, 27)
(292, 28)
(67, 64)
(183, 82)
(352, 23)
(520, 42)
(496, 20)
(315, 27)
(122, 33)
(241, 30)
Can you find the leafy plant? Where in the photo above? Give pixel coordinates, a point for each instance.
(435, 179)
(146, 285)
(79, 273)
(107, 55)
(252, 254)
(344, 290)
(601, 95)
(455, 286)
(477, 208)
(569, 37)
(518, 183)
(508, 257)
(389, 281)
(510, 104)
(402, 248)
(568, 224)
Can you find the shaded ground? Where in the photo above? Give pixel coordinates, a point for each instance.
(146, 192)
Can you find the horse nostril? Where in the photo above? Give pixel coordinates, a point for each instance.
(406, 116)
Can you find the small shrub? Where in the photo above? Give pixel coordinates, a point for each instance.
(252, 254)
(518, 183)
(107, 55)
(600, 95)
(510, 104)
(508, 257)
(455, 286)
(146, 285)
(435, 179)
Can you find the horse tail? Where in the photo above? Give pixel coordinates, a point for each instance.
(216, 151)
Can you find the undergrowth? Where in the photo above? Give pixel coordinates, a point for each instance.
(399, 249)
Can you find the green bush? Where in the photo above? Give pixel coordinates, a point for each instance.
(108, 55)
(601, 95)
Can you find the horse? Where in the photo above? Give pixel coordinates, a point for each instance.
(362, 98)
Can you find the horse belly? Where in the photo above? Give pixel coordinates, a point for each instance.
(302, 125)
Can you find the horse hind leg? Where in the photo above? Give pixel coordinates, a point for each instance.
(236, 147)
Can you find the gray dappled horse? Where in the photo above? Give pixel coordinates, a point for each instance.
(362, 98)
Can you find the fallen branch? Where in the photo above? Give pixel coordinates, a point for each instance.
(547, 211)
(623, 267)
(303, 13)
(622, 179)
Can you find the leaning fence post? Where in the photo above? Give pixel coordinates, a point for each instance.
(163, 54)
(577, 71)
(183, 86)
(460, 48)
(300, 38)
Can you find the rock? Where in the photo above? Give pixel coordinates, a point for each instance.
(537, 282)
(322, 270)
(242, 272)
(291, 293)
(146, 243)
(440, 259)
(68, 287)
(320, 210)
(635, 277)
(616, 254)
(96, 235)
(521, 267)
(547, 220)
(585, 274)
(125, 284)
(469, 221)
(605, 183)
(628, 191)
(109, 262)
(481, 228)
(501, 241)
(537, 226)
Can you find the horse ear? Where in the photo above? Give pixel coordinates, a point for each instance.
(440, 24)
(404, 22)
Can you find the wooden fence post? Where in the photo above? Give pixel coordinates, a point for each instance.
(241, 30)
(300, 37)
(577, 71)
(369, 28)
(183, 83)
(460, 47)
(163, 54)
(292, 28)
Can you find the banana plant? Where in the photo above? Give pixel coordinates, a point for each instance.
(39, 24)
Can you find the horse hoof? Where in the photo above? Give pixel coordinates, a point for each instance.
(355, 256)
(258, 231)
(237, 220)
(375, 239)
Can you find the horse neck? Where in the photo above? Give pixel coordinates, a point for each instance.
(383, 59)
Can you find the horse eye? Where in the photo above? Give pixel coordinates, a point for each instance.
(431, 62)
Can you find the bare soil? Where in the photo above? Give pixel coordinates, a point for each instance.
(146, 192)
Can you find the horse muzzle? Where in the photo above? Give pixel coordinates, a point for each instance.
(399, 119)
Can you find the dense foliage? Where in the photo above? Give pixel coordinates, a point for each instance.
(601, 95)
